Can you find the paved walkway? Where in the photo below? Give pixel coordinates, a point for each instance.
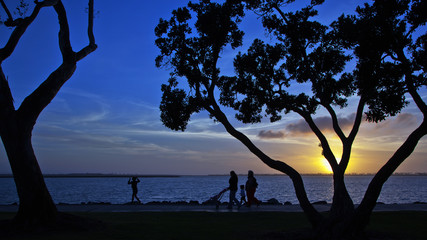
(208, 208)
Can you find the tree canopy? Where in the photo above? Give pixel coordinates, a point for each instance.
(385, 42)
(194, 55)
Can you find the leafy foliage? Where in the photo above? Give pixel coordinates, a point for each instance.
(194, 55)
(176, 106)
(305, 53)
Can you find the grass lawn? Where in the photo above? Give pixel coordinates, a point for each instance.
(204, 225)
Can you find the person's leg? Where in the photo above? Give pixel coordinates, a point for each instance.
(134, 192)
(258, 202)
(235, 199)
(250, 194)
(231, 198)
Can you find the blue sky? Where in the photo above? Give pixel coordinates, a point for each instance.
(106, 117)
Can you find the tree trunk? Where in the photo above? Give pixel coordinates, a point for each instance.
(36, 206)
(338, 223)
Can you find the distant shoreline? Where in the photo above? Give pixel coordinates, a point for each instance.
(102, 175)
(96, 175)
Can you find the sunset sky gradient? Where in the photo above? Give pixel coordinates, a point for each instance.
(106, 118)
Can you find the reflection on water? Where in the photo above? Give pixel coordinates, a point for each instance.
(398, 189)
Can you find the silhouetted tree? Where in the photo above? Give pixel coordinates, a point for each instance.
(390, 63)
(35, 203)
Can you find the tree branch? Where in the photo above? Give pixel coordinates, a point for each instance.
(90, 24)
(213, 108)
(17, 33)
(215, 74)
(335, 123)
(92, 46)
(9, 16)
(312, 214)
(374, 189)
(327, 152)
(282, 14)
(410, 83)
(357, 120)
(347, 145)
(34, 104)
(68, 55)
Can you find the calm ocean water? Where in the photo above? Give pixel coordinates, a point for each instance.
(398, 189)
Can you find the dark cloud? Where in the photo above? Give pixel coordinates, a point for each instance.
(323, 123)
(270, 134)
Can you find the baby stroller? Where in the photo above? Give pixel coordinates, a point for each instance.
(216, 199)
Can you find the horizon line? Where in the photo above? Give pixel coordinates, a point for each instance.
(53, 175)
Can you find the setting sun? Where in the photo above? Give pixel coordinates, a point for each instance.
(326, 168)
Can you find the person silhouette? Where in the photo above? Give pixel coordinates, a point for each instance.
(233, 189)
(242, 195)
(134, 182)
(251, 186)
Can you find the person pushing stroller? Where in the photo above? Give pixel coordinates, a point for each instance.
(233, 190)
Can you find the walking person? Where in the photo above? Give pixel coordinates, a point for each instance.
(251, 186)
(233, 190)
(134, 183)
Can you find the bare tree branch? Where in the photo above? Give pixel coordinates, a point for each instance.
(68, 55)
(410, 82)
(347, 144)
(335, 123)
(32, 106)
(92, 46)
(312, 214)
(17, 33)
(90, 24)
(6, 10)
(358, 119)
(327, 152)
(374, 189)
